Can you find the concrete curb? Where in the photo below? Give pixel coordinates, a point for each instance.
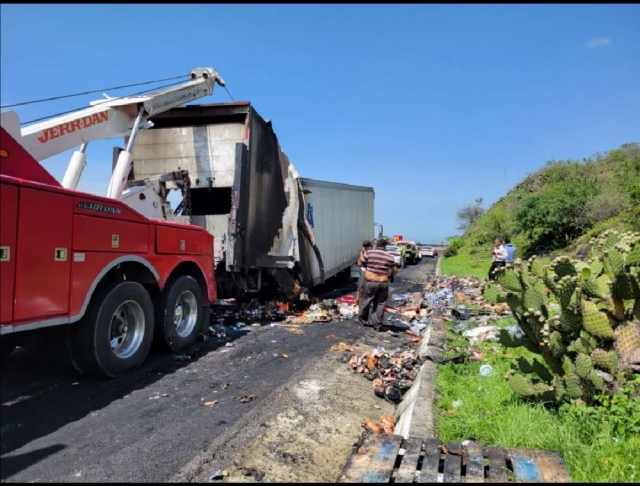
(438, 267)
(414, 416)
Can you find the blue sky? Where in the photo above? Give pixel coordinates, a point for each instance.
(429, 104)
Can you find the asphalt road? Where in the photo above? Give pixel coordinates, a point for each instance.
(59, 426)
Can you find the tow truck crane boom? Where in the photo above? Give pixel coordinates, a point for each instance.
(104, 119)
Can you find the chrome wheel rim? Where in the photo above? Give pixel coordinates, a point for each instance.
(127, 329)
(185, 314)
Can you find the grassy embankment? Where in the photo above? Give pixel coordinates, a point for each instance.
(598, 444)
(557, 209)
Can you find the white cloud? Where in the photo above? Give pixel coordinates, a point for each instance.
(598, 42)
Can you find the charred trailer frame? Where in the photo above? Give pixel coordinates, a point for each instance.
(243, 190)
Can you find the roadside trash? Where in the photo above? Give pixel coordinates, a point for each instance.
(285, 355)
(486, 370)
(154, 397)
(250, 471)
(256, 324)
(210, 404)
(516, 331)
(394, 334)
(245, 399)
(225, 302)
(483, 333)
(388, 424)
(218, 474)
(393, 393)
(400, 324)
(457, 403)
(401, 296)
(181, 357)
(371, 426)
(461, 327)
(342, 347)
(164, 395)
(229, 345)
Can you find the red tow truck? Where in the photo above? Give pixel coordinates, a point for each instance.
(107, 278)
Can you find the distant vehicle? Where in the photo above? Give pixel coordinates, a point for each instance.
(429, 251)
(397, 238)
(395, 252)
(413, 254)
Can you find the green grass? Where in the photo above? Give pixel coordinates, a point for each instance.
(464, 265)
(490, 412)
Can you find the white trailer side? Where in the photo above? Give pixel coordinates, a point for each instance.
(341, 217)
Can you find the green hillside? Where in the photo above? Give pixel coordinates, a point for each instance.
(558, 208)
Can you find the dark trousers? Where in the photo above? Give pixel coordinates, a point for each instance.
(495, 265)
(403, 261)
(373, 298)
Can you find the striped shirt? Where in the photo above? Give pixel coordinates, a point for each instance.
(378, 261)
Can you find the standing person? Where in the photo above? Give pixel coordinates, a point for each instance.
(380, 270)
(511, 251)
(366, 246)
(403, 255)
(499, 257)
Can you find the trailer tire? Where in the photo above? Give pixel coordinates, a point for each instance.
(179, 313)
(103, 343)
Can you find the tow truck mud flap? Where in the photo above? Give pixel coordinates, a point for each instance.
(287, 284)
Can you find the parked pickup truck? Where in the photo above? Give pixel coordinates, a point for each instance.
(412, 255)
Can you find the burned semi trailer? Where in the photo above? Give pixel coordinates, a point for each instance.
(272, 229)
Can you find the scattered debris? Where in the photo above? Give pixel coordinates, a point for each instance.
(218, 474)
(386, 425)
(210, 404)
(251, 471)
(285, 355)
(245, 399)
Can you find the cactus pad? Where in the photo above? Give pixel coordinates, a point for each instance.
(556, 346)
(564, 291)
(633, 257)
(616, 308)
(595, 322)
(490, 293)
(563, 267)
(624, 287)
(596, 267)
(583, 365)
(591, 288)
(533, 299)
(536, 268)
(521, 385)
(627, 341)
(605, 360)
(614, 263)
(572, 384)
(509, 280)
(596, 380)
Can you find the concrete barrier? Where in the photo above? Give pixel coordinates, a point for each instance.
(414, 415)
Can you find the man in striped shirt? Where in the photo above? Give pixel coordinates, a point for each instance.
(381, 269)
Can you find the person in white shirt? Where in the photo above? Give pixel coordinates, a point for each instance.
(500, 255)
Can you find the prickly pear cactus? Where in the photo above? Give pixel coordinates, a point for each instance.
(592, 344)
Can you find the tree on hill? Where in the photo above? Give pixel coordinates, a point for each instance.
(469, 214)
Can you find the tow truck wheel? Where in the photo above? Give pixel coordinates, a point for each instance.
(115, 336)
(178, 313)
